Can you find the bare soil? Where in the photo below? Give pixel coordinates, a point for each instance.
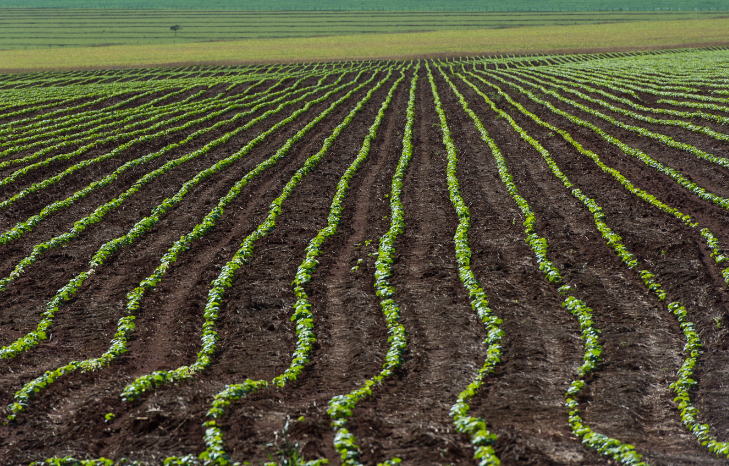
(407, 416)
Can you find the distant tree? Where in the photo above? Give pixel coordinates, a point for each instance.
(175, 28)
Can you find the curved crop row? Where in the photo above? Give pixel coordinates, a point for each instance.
(667, 140)
(693, 345)
(640, 155)
(119, 117)
(209, 336)
(475, 428)
(619, 83)
(550, 76)
(618, 450)
(113, 137)
(121, 148)
(708, 236)
(110, 113)
(51, 117)
(21, 140)
(62, 110)
(23, 227)
(342, 406)
(100, 212)
(215, 453)
(51, 137)
(554, 75)
(126, 324)
(140, 228)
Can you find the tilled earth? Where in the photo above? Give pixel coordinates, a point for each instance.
(407, 416)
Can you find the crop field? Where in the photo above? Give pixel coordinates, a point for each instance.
(34, 28)
(483, 260)
(372, 5)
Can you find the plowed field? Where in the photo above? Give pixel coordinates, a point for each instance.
(514, 260)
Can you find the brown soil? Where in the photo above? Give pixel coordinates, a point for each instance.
(407, 416)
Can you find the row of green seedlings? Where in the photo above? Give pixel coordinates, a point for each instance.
(119, 149)
(32, 107)
(85, 92)
(554, 74)
(59, 112)
(42, 106)
(126, 324)
(56, 77)
(66, 293)
(341, 407)
(587, 79)
(198, 108)
(209, 336)
(253, 76)
(147, 75)
(667, 140)
(134, 298)
(694, 77)
(51, 145)
(706, 77)
(80, 97)
(217, 99)
(580, 75)
(81, 120)
(260, 97)
(54, 117)
(70, 132)
(28, 125)
(215, 453)
(665, 77)
(622, 452)
(701, 79)
(23, 227)
(97, 216)
(690, 186)
(49, 91)
(474, 427)
(111, 137)
(630, 80)
(48, 121)
(711, 242)
(119, 117)
(693, 342)
(22, 138)
(620, 84)
(569, 73)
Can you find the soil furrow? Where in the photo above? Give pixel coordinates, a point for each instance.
(628, 398)
(156, 322)
(542, 350)
(59, 265)
(407, 417)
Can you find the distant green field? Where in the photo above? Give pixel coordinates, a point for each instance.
(43, 28)
(392, 5)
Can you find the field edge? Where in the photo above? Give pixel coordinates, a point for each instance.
(615, 37)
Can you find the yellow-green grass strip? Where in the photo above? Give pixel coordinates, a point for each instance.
(620, 36)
